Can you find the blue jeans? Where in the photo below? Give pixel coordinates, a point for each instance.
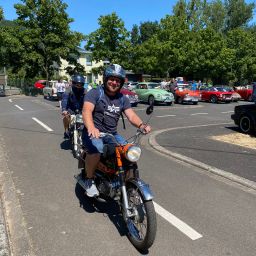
(94, 145)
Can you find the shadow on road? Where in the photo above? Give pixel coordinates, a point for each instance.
(109, 209)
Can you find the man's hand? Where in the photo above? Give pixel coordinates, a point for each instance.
(93, 132)
(145, 128)
(65, 113)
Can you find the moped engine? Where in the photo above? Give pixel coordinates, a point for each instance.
(106, 187)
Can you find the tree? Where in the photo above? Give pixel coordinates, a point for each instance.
(45, 35)
(110, 41)
(1, 14)
(135, 36)
(147, 30)
(239, 13)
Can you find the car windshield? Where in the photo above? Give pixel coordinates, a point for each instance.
(153, 86)
(221, 89)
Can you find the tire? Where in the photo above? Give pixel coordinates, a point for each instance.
(249, 98)
(145, 211)
(195, 103)
(151, 100)
(245, 124)
(169, 103)
(179, 100)
(213, 99)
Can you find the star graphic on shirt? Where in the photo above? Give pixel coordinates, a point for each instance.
(113, 108)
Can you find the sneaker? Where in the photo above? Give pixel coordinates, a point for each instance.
(66, 135)
(91, 189)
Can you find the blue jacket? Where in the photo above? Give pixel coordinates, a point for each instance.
(71, 103)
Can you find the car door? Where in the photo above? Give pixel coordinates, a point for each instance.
(142, 91)
(204, 94)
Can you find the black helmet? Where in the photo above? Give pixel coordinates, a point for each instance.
(114, 70)
(78, 79)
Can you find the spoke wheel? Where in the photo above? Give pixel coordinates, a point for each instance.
(142, 226)
(245, 124)
(213, 99)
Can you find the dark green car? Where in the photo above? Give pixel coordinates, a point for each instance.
(150, 92)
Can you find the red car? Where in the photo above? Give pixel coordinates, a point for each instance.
(245, 92)
(40, 84)
(212, 95)
(132, 96)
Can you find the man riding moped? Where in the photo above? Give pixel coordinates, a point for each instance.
(101, 111)
(72, 101)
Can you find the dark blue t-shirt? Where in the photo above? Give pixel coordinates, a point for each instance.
(107, 109)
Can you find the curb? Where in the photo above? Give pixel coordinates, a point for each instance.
(235, 178)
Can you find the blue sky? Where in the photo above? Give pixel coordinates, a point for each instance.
(86, 12)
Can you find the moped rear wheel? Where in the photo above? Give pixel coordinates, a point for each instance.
(141, 227)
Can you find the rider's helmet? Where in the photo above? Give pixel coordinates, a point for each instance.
(114, 70)
(78, 84)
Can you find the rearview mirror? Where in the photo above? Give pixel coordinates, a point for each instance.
(150, 109)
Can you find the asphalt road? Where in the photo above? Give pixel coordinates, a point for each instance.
(199, 213)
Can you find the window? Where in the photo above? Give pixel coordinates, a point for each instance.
(88, 61)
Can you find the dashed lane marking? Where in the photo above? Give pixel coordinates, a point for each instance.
(42, 124)
(176, 222)
(10, 100)
(227, 112)
(195, 114)
(165, 115)
(18, 107)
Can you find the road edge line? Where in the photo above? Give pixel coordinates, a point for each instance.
(230, 176)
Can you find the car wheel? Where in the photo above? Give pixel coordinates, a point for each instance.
(169, 103)
(179, 100)
(249, 98)
(213, 99)
(151, 100)
(245, 124)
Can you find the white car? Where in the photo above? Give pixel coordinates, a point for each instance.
(50, 91)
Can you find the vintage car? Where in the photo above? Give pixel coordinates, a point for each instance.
(132, 96)
(245, 117)
(186, 95)
(40, 84)
(150, 92)
(235, 96)
(212, 95)
(50, 91)
(245, 92)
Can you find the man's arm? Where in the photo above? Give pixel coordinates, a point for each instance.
(88, 108)
(135, 120)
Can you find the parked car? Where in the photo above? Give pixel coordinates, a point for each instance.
(245, 117)
(212, 95)
(40, 84)
(50, 91)
(235, 96)
(2, 91)
(130, 85)
(150, 92)
(245, 92)
(186, 95)
(132, 96)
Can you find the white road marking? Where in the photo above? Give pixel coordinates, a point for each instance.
(18, 107)
(165, 115)
(10, 100)
(199, 114)
(176, 222)
(42, 124)
(227, 112)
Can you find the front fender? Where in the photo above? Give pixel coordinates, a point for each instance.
(143, 188)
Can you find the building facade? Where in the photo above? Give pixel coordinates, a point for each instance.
(86, 61)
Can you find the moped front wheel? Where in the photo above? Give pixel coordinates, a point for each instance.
(142, 225)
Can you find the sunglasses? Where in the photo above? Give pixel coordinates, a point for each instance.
(78, 84)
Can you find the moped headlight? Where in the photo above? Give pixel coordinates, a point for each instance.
(133, 154)
(79, 119)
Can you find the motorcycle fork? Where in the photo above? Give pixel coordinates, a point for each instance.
(127, 210)
(75, 137)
